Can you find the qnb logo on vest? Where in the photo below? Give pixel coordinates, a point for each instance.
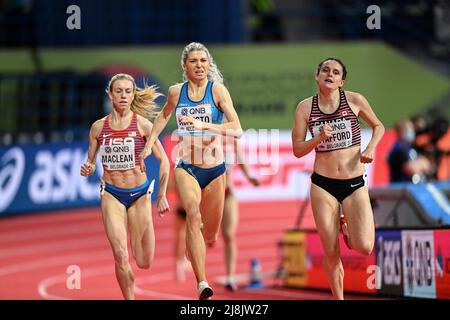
(11, 173)
(201, 112)
(118, 145)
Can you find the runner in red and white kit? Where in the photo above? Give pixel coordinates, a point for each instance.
(120, 138)
(339, 176)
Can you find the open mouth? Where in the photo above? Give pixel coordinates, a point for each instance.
(328, 80)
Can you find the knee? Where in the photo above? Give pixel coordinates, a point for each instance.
(192, 208)
(211, 240)
(365, 247)
(144, 263)
(228, 237)
(193, 220)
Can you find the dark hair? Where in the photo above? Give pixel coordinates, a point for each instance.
(344, 69)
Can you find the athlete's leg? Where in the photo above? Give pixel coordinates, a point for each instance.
(115, 223)
(180, 247)
(360, 222)
(190, 194)
(211, 208)
(142, 235)
(326, 210)
(229, 226)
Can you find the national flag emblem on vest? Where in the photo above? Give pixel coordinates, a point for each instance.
(132, 133)
(344, 113)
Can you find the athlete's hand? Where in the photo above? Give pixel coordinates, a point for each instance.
(144, 154)
(366, 156)
(163, 205)
(87, 169)
(325, 132)
(193, 123)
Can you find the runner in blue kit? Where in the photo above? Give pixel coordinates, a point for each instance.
(200, 104)
(339, 178)
(119, 139)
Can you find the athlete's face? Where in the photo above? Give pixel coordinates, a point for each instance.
(330, 75)
(122, 94)
(197, 65)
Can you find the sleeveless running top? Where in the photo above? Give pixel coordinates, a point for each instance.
(346, 128)
(204, 110)
(120, 149)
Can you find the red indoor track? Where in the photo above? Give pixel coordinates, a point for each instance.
(36, 251)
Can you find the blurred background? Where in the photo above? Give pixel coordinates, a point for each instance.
(57, 57)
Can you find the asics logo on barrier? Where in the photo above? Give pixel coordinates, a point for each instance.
(12, 169)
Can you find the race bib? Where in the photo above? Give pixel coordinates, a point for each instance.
(201, 112)
(341, 136)
(117, 154)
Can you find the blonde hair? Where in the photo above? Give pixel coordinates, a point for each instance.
(144, 99)
(213, 73)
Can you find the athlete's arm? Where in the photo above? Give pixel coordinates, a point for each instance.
(164, 165)
(223, 100)
(162, 119)
(301, 147)
(367, 114)
(161, 156)
(88, 168)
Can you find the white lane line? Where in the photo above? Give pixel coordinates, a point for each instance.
(46, 283)
(55, 261)
(215, 266)
(55, 245)
(73, 227)
(55, 231)
(38, 219)
(40, 233)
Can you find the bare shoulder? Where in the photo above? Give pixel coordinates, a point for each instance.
(144, 122)
(97, 126)
(355, 98)
(219, 90)
(304, 107)
(173, 94)
(174, 90)
(217, 86)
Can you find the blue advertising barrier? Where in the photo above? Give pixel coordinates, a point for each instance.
(412, 205)
(47, 177)
(433, 200)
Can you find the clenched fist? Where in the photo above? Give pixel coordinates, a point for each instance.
(87, 169)
(325, 132)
